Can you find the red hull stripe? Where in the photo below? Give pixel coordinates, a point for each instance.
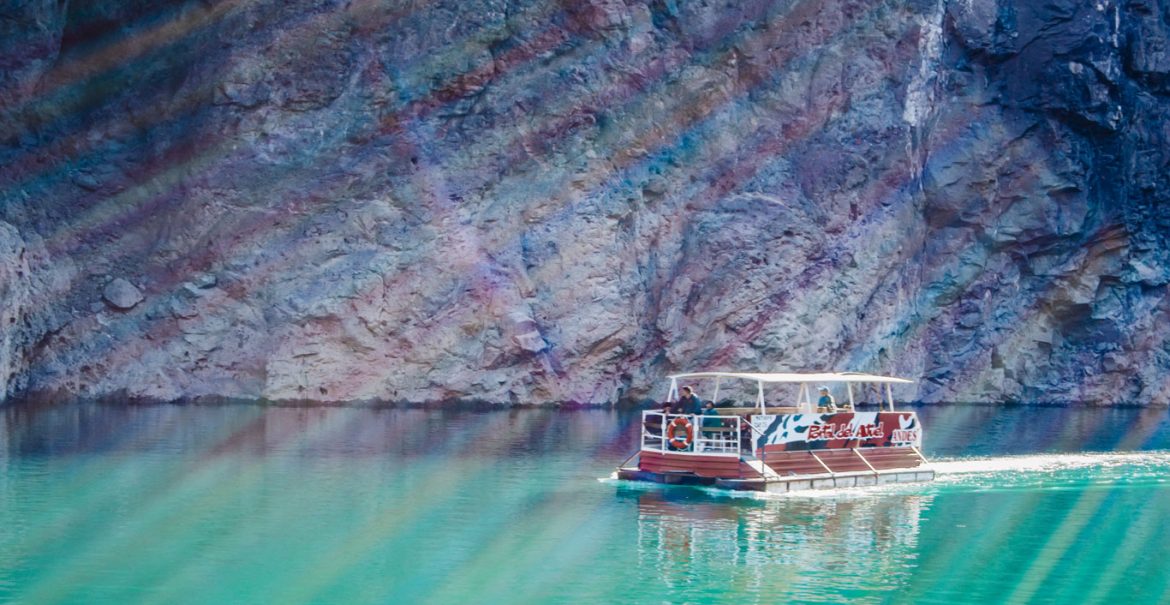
(703, 466)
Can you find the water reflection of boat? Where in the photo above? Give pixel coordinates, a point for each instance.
(767, 447)
(754, 540)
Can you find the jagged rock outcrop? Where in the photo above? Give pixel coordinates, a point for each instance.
(13, 272)
(1047, 203)
(549, 201)
(27, 323)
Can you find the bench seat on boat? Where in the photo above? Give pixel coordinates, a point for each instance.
(805, 462)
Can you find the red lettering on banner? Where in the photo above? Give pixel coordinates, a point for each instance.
(823, 432)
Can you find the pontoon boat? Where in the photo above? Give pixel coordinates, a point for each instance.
(788, 444)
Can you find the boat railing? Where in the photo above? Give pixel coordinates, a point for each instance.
(709, 434)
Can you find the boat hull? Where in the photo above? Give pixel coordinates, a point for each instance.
(825, 481)
(781, 472)
(677, 478)
(710, 467)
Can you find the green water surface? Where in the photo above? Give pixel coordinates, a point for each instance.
(248, 504)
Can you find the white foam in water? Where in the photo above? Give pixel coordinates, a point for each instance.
(1046, 462)
(957, 469)
(972, 468)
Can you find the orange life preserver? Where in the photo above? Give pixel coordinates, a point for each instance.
(680, 442)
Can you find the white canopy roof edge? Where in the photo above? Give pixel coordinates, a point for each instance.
(796, 377)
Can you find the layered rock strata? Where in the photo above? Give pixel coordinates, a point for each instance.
(534, 202)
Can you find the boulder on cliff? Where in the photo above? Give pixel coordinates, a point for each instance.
(121, 294)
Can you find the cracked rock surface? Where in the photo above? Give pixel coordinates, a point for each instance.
(542, 202)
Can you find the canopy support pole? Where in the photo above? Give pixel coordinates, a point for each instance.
(804, 399)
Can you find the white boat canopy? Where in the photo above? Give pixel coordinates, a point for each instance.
(796, 377)
(804, 398)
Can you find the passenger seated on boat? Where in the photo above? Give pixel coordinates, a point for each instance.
(711, 423)
(826, 400)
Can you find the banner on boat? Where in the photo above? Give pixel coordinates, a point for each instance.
(836, 431)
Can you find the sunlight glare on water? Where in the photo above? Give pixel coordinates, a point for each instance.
(248, 504)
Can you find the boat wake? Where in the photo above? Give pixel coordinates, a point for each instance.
(1033, 463)
(1030, 471)
(1026, 471)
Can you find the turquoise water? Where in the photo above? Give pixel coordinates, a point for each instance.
(243, 504)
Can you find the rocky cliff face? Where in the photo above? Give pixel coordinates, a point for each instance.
(545, 202)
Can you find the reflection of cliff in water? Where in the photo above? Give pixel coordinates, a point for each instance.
(772, 544)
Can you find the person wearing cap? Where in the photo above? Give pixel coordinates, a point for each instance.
(689, 403)
(826, 400)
